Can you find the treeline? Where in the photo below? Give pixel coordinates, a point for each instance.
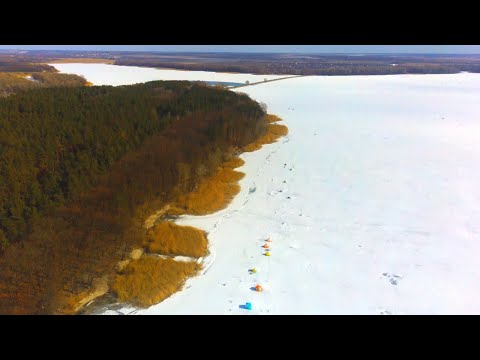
(474, 68)
(321, 67)
(248, 67)
(14, 72)
(11, 83)
(79, 165)
(346, 69)
(47, 79)
(13, 65)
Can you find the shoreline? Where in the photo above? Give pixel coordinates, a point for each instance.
(81, 61)
(161, 216)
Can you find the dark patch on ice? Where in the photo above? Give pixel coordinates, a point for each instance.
(392, 278)
(253, 288)
(252, 190)
(384, 312)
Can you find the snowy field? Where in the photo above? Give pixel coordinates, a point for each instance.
(372, 203)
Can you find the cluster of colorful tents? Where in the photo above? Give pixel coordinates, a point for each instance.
(258, 288)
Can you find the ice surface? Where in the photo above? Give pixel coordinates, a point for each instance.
(105, 74)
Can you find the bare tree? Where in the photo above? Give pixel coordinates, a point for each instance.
(264, 106)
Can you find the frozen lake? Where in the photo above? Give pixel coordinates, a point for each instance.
(372, 201)
(105, 74)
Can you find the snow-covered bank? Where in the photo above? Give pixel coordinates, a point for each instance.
(372, 202)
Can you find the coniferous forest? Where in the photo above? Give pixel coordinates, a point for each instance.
(80, 166)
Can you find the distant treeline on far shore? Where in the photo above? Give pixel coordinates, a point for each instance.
(288, 68)
(258, 63)
(307, 64)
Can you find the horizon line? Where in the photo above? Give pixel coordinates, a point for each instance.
(243, 52)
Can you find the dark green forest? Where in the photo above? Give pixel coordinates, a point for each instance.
(76, 164)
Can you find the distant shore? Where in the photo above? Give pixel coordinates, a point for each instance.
(82, 61)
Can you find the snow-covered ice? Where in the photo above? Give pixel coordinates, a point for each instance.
(372, 203)
(105, 74)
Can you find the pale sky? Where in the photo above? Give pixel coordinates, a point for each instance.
(361, 49)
